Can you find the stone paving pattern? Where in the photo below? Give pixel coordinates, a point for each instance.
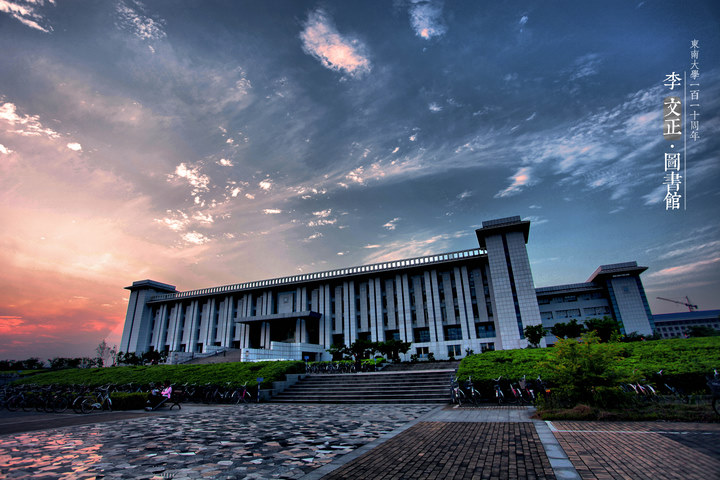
(459, 450)
(254, 441)
(641, 450)
(310, 442)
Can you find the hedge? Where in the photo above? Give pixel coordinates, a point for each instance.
(233, 373)
(684, 361)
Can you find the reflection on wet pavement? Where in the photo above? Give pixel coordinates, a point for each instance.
(252, 441)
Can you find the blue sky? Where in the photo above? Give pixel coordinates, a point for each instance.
(205, 143)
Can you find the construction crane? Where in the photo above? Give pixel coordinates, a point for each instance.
(687, 303)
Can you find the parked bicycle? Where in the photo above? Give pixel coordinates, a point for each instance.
(100, 401)
(456, 394)
(714, 384)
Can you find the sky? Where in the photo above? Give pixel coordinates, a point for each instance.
(203, 143)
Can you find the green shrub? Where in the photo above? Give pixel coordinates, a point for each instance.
(128, 401)
(684, 361)
(232, 373)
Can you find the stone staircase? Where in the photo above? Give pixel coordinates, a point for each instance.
(421, 386)
(229, 355)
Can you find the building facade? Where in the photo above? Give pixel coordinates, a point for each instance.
(479, 299)
(677, 325)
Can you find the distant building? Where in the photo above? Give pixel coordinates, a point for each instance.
(479, 299)
(672, 325)
(613, 290)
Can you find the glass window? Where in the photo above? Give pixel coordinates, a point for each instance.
(454, 350)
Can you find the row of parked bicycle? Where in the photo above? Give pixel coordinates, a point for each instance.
(527, 392)
(82, 399)
(506, 392)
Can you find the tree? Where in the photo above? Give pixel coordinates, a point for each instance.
(151, 357)
(605, 327)
(534, 334)
(361, 349)
(392, 349)
(572, 329)
(105, 353)
(582, 369)
(702, 331)
(338, 352)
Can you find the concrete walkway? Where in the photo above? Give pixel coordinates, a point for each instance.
(351, 441)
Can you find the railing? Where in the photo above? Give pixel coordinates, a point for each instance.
(340, 272)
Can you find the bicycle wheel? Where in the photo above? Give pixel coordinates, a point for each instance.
(86, 406)
(60, 404)
(13, 404)
(77, 404)
(716, 405)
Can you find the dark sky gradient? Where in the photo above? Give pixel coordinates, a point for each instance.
(204, 143)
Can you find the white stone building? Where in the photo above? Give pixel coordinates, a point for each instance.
(478, 299)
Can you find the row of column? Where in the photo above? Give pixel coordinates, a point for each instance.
(208, 321)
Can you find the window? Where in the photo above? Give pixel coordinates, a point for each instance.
(422, 352)
(543, 301)
(453, 332)
(392, 334)
(570, 298)
(454, 350)
(487, 347)
(485, 329)
(422, 335)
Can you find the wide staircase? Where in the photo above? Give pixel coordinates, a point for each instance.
(228, 355)
(412, 386)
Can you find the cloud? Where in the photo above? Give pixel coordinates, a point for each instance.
(25, 11)
(225, 162)
(272, 211)
(714, 245)
(392, 224)
(4, 150)
(464, 195)
(691, 268)
(266, 184)
(199, 182)
(195, 238)
(521, 179)
(322, 217)
(336, 52)
(76, 147)
(426, 18)
(435, 108)
(585, 66)
(523, 20)
(140, 25)
(26, 125)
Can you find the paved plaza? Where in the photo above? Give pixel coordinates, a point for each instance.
(313, 442)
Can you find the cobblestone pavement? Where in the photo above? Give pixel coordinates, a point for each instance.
(310, 442)
(641, 450)
(253, 441)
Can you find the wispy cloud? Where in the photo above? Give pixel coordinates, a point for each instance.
(26, 12)
(691, 268)
(74, 146)
(392, 224)
(521, 179)
(272, 211)
(585, 66)
(25, 125)
(132, 17)
(426, 18)
(337, 52)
